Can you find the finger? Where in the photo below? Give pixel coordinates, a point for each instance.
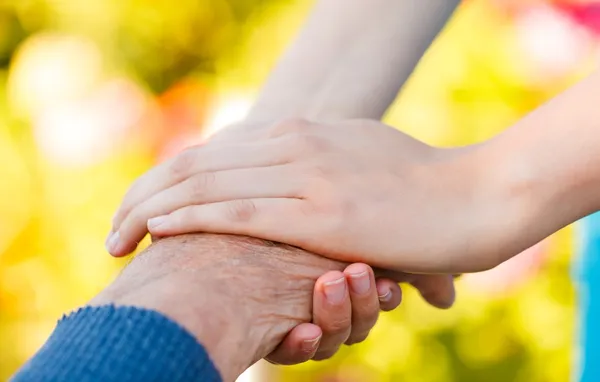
(298, 346)
(365, 303)
(202, 159)
(262, 182)
(332, 312)
(437, 290)
(274, 219)
(389, 294)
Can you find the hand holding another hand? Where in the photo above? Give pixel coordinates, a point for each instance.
(175, 185)
(352, 191)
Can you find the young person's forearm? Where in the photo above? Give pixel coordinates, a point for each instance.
(550, 162)
(351, 58)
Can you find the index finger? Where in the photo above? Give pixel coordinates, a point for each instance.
(199, 159)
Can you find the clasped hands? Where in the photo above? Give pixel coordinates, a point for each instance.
(356, 191)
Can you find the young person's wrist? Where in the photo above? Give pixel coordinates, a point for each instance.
(497, 204)
(532, 200)
(547, 163)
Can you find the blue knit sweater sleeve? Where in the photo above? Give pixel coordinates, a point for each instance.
(122, 344)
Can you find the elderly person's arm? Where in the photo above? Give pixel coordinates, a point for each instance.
(197, 307)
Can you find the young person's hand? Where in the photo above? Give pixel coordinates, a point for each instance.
(352, 191)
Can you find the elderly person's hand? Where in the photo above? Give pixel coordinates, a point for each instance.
(238, 296)
(345, 308)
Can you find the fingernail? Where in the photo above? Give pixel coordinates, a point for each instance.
(360, 282)
(112, 243)
(335, 291)
(310, 346)
(110, 234)
(385, 297)
(155, 222)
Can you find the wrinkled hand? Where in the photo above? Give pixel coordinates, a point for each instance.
(201, 280)
(350, 319)
(345, 308)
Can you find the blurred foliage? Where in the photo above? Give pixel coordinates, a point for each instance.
(153, 74)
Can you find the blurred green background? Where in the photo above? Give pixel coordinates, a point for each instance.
(93, 93)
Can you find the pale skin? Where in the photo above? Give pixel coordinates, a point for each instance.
(318, 79)
(355, 198)
(368, 193)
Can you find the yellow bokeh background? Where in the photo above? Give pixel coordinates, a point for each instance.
(93, 93)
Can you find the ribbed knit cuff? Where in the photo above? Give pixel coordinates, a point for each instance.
(125, 344)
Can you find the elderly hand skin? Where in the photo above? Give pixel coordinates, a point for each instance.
(237, 296)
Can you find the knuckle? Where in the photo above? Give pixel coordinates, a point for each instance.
(357, 338)
(319, 187)
(301, 136)
(308, 142)
(325, 167)
(338, 326)
(185, 214)
(335, 212)
(180, 167)
(318, 180)
(321, 171)
(201, 183)
(121, 215)
(136, 217)
(345, 208)
(290, 125)
(135, 214)
(241, 210)
(368, 318)
(342, 208)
